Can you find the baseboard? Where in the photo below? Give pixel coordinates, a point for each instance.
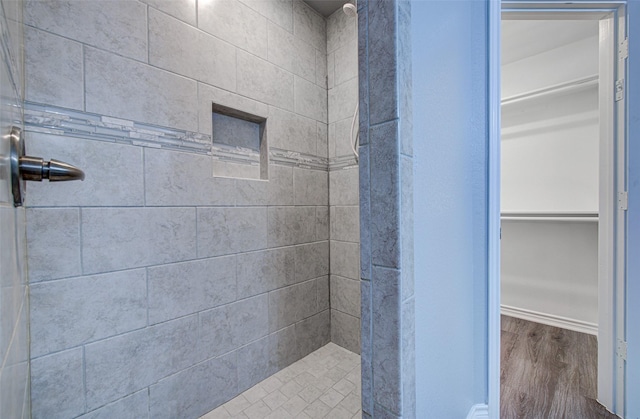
(550, 319)
(478, 411)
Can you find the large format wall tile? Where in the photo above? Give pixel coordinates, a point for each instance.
(254, 363)
(184, 10)
(71, 312)
(347, 56)
(291, 53)
(183, 288)
(310, 99)
(342, 100)
(266, 270)
(260, 80)
(120, 29)
(345, 295)
(124, 364)
(344, 330)
(289, 131)
(291, 225)
(341, 29)
(183, 395)
(278, 11)
(345, 224)
(135, 406)
(313, 332)
(225, 328)
(162, 98)
(235, 23)
(181, 48)
(310, 187)
(231, 230)
(343, 188)
(59, 226)
(169, 180)
(345, 259)
(309, 26)
(312, 260)
(291, 304)
(56, 385)
(53, 69)
(120, 238)
(113, 173)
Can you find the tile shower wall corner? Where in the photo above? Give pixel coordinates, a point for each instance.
(167, 280)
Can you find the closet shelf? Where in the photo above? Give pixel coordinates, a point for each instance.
(550, 216)
(570, 86)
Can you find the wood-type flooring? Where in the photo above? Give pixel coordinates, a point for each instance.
(547, 373)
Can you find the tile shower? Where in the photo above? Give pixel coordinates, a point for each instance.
(170, 291)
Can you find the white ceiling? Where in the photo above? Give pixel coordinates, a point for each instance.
(524, 38)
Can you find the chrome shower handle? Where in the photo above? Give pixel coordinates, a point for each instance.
(35, 168)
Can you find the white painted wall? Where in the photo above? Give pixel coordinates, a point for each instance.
(550, 165)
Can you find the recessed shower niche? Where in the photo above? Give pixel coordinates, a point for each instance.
(239, 144)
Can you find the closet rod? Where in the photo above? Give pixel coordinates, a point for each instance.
(557, 88)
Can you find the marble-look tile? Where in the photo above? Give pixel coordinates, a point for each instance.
(347, 59)
(381, 412)
(408, 359)
(345, 259)
(405, 82)
(235, 23)
(116, 26)
(184, 10)
(253, 192)
(228, 327)
(386, 358)
(71, 312)
(345, 224)
(310, 99)
(209, 95)
(345, 331)
(313, 332)
(260, 80)
(280, 185)
(173, 178)
(291, 225)
(309, 26)
(183, 288)
(343, 187)
(56, 386)
(322, 223)
(365, 214)
(121, 238)
(223, 231)
(283, 347)
(341, 137)
(310, 187)
(366, 323)
(343, 99)
(324, 297)
(406, 241)
(59, 226)
(312, 260)
(331, 71)
(162, 98)
(278, 11)
(231, 170)
(135, 406)
(345, 295)
(254, 363)
(113, 172)
(53, 69)
(292, 304)
(341, 29)
(289, 131)
(291, 53)
(266, 270)
(183, 395)
(383, 98)
(322, 140)
(178, 47)
(121, 365)
(385, 195)
(321, 69)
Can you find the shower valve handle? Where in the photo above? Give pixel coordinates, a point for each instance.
(35, 168)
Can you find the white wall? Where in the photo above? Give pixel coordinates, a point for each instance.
(550, 165)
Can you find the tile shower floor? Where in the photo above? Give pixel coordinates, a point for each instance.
(324, 384)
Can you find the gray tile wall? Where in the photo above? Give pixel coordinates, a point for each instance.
(386, 209)
(14, 302)
(168, 291)
(342, 72)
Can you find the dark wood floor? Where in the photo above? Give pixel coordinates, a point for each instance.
(547, 372)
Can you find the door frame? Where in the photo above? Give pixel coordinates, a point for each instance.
(612, 224)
